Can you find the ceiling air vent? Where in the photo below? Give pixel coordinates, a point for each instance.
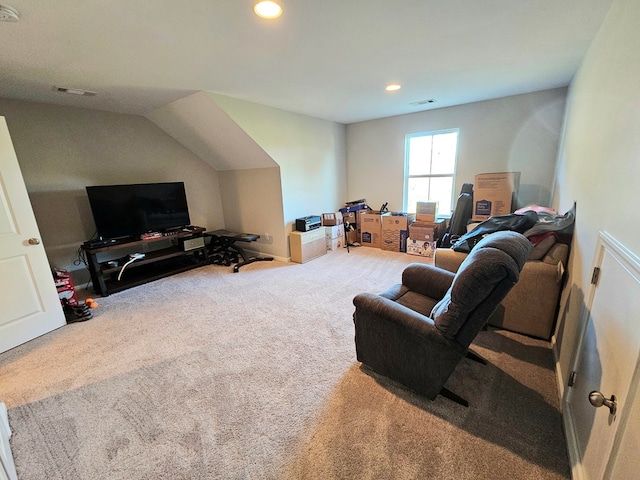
(422, 102)
(75, 91)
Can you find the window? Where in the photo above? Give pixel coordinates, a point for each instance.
(430, 167)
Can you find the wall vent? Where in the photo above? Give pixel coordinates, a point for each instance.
(422, 102)
(75, 91)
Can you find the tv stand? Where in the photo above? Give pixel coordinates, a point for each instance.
(106, 262)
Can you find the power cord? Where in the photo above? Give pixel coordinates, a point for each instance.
(132, 258)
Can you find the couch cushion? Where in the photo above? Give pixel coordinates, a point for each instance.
(557, 254)
(417, 302)
(541, 248)
(497, 257)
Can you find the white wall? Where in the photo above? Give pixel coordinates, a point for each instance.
(309, 151)
(63, 149)
(252, 203)
(199, 124)
(599, 159)
(518, 133)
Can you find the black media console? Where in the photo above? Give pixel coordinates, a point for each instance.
(121, 265)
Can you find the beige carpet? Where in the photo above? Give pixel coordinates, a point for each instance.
(252, 375)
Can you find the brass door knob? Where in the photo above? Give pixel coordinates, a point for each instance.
(597, 399)
(34, 241)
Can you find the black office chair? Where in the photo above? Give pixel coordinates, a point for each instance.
(460, 218)
(417, 332)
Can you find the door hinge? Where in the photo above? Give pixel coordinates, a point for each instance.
(572, 378)
(595, 276)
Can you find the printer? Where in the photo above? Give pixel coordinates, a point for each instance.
(306, 224)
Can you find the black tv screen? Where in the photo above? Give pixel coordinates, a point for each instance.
(129, 210)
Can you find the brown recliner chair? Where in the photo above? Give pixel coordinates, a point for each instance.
(417, 332)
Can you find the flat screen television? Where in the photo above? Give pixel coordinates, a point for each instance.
(130, 210)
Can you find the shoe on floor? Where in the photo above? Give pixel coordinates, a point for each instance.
(77, 313)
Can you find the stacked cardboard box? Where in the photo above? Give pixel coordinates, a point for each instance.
(331, 219)
(350, 216)
(423, 237)
(423, 249)
(426, 211)
(495, 194)
(426, 231)
(395, 231)
(370, 226)
(335, 237)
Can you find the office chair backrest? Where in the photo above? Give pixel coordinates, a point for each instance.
(461, 216)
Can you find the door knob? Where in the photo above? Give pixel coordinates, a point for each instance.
(34, 241)
(597, 399)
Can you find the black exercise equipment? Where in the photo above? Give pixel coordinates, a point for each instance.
(222, 248)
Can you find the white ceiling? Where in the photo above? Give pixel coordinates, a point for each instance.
(325, 58)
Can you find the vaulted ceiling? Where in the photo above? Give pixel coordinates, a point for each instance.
(329, 59)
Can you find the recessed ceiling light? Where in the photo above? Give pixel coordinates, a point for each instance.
(392, 87)
(268, 9)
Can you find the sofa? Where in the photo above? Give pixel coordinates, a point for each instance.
(530, 308)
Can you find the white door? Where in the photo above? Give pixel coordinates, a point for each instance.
(29, 303)
(606, 363)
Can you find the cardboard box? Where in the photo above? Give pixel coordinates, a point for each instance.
(426, 211)
(370, 227)
(395, 231)
(426, 231)
(334, 237)
(335, 244)
(495, 194)
(351, 237)
(331, 219)
(420, 247)
(350, 217)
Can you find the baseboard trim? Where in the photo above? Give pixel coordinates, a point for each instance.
(577, 472)
(559, 376)
(254, 253)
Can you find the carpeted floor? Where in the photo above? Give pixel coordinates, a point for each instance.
(252, 375)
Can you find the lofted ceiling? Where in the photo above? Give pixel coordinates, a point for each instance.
(329, 59)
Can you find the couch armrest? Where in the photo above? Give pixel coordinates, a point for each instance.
(530, 307)
(448, 259)
(427, 280)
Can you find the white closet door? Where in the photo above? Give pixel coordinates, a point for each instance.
(29, 302)
(606, 362)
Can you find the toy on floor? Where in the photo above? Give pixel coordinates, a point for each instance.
(91, 303)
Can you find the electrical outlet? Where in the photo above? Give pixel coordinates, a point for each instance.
(267, 237)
